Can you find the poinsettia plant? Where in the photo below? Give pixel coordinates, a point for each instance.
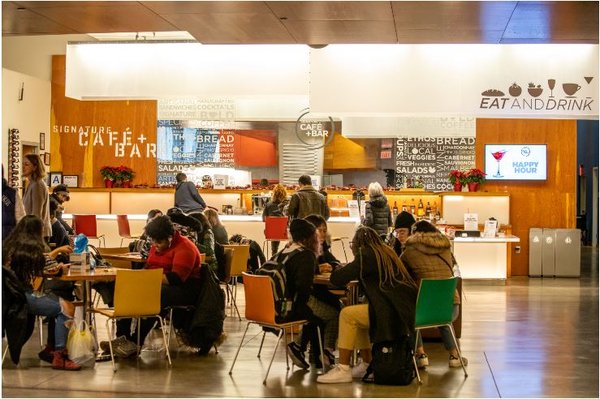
(456, 176)
(475, 175)
(108, 173)
(124, 173)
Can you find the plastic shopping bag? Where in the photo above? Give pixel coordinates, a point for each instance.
(81, 344)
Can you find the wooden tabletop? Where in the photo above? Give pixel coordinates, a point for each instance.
(127, 256)
(98, 274)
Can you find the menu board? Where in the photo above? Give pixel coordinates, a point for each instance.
(185, 144)
(430, 160)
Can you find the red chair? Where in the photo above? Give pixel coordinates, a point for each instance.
(275, 230)
(124, 231)
(86, 224)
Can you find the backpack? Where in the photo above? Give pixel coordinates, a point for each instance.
(275, 270)
(392, 362)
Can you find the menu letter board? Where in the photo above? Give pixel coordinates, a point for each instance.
(432, 158)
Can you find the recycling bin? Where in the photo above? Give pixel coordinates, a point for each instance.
(535, 252)
(567, 258)
(548, 252)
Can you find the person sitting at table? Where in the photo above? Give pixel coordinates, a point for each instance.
(428, 255)
(180, 260)
(206, 240)
(216, 226)
(26, 254)
(143, 244)
(59, 235)
(402, 226)
(390, 313)
(324, 304)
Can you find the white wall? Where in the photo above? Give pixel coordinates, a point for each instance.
(31, 116)
(32, 55)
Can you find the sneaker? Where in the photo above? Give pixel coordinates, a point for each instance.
(360, 370)
(297, 356)
(455, 362)
(122, 347)
(61, 361)
(47, 354)
(422, 360)
(336, 375)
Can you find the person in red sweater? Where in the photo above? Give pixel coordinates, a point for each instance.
(180, 260)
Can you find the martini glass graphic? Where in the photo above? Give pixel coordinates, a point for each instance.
(498, 155)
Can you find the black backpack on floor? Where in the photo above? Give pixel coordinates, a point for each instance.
(392, 362)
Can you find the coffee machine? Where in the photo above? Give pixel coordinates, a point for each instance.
(259, 201)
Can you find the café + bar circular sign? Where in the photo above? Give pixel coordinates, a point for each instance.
(314, 132)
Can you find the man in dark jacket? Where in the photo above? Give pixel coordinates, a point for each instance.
(307, 201)
(60, 194)
(186, 196)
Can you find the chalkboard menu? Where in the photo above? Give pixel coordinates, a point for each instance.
(429, 160)
(185, 144)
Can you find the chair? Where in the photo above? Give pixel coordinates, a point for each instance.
(86, 224)
(124, 231)
(260, 310)
(226, 278)
(434, 309)
(137, 295)
(275, 230)
(239, 264)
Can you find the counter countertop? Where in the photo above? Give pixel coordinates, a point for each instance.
(510, 238)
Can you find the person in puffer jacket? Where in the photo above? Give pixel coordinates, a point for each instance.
(377, 210)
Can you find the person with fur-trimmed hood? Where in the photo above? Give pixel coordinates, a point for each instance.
(427, 254)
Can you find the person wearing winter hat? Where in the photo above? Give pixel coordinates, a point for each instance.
(398, 237)
(300, 262)
(60, 195)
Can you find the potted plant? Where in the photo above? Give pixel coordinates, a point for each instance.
(474, 177)
(124, 175)
(109, 174)
(457, 178)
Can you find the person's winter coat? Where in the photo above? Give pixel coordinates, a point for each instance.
(307, 201)
(377, 214)
(391, 309)
(428, 255)
(17, 324)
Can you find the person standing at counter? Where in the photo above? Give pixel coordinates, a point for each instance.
(428, 255)
(307, 200)
(36, 199)
(60, 195)
(275, 208)
(186, 196)
(377, 210)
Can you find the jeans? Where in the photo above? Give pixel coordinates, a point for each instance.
(445, 332)
(49, 306)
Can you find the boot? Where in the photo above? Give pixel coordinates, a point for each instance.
(47, 354)
(62, 362)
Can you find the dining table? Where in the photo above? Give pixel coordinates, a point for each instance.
(126, 256)
(350, 291)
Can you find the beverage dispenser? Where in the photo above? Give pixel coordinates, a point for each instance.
(259, 201)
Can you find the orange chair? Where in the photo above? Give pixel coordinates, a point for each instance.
(275, 230)
(260, 310)
(124, 231)
(86, 224)
(238, 265)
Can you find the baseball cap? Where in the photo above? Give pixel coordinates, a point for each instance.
(61, 189)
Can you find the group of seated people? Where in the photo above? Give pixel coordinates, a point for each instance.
(388, 270)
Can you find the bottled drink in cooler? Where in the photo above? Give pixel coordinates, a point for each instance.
(420, 209)
(395, 210)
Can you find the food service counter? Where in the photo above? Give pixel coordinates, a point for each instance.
(484, 258)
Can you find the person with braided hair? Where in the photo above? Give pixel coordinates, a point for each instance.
(390, 312)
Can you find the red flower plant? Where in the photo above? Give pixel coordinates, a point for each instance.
(456, 176)
(475, 175)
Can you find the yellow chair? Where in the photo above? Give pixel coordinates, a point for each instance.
(137, 295)
(260, 310)
(239, 264)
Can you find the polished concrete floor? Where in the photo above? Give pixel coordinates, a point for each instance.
(523, 337)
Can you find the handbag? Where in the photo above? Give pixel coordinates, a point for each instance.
(81, 345)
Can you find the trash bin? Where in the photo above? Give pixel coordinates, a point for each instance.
(535, 252)
(548, 252)
(567, 253)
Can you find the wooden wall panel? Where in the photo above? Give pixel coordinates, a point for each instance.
(549, 203)
(343, 153)
(132, 122)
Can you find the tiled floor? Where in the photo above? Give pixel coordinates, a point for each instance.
(523, 338)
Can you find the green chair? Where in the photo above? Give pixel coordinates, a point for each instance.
(434, 309)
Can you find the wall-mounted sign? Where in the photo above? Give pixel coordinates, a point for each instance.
(515, 161)
(429, 160)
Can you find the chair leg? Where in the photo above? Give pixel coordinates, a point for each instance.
(121, 243)
(285, 340)
(261, 344)
(265, 248)
(415, 356)
(281, 332)
(344, 249)
(5, 352)
(139, 325)
(239, 347)
(458, 349)
(234, 303)
(40, 320)
(112, 355)
(170, 327)
(322, 349)
(162, 325)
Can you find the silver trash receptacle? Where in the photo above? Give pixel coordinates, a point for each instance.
(548, 252)
(567, 258)
(535, 252)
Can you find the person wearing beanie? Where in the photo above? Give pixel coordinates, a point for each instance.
(60, 195)
(299, 260)
(398, 237)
